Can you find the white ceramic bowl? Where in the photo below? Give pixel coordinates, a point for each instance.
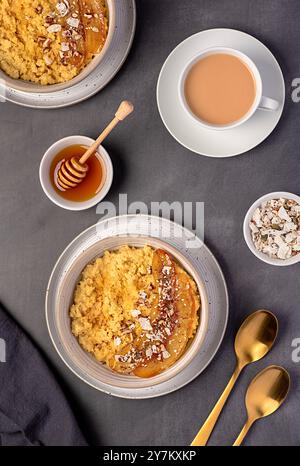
(86, 363)
(45, 173)
(247, 231)
(27, 86)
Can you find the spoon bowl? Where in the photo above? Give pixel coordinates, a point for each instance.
(255, 337)
(265, 394)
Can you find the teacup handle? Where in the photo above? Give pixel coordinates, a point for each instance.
(267, 103)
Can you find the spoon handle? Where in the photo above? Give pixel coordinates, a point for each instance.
(123, 111)
(204, 433)
(243, 433)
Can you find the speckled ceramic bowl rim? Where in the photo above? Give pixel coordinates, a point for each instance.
(29, 87)
(46, 184)
(247, 232)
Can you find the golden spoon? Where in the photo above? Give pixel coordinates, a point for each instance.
(252, 342)
(265, 394)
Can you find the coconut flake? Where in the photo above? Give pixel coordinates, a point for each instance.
(73, 22)
(148, 353)
(48, 60)
(165, 354)
(145, 323)
(62, 8)
(54, 28)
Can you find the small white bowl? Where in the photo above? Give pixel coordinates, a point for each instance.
(45, 173)
(247, 231)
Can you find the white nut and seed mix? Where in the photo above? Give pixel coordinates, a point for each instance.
(275, 228)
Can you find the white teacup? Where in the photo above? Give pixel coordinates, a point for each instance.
(260, 101)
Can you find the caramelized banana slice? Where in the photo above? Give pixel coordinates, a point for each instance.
(95, 26)
(174, 349)
(185, 316)
(72, 36)
(188, 302)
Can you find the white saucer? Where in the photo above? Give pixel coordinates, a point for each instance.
(89, 245)
(219, 143)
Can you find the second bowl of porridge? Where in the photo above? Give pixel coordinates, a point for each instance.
(50, 45)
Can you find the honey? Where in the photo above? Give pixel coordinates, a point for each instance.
(90, 185)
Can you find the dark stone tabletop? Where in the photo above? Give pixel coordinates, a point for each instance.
(151, 166)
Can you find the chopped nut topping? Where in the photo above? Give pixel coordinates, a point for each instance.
(64, 47)
(143, 295)
(39, 9)
(63, 8)
(73, 22)
(165, 354)
(46, 43)
(275, 228)
(145, 323)
(41, 40)
(149, 353)
(54, 28)
(48, 60)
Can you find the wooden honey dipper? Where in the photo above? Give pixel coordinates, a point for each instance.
(73, 171)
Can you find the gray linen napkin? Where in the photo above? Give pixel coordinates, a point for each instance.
(33, 409)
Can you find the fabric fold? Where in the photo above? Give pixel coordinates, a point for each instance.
(33, 408)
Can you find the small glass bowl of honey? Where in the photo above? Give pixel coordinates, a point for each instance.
(95, 185)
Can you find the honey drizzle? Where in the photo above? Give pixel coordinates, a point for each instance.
(91, 184)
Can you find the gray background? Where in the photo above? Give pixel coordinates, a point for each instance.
(151, 166)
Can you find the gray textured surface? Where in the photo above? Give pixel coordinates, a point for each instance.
(149, 166)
